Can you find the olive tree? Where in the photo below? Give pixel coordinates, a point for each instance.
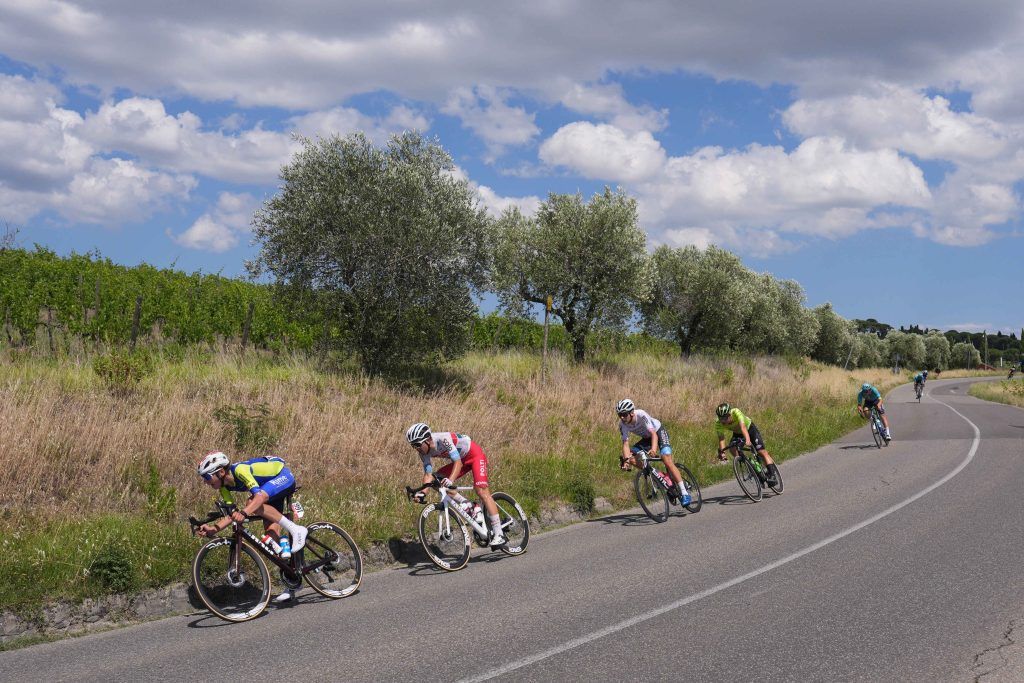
(906, 348)
(869, 350)
(590, 257)
(698, 297)
(964, 355)
(835, 336)
(385, 244)
(936, 351)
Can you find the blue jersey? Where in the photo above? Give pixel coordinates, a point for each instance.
(267, 475)
(869, 395)
(918, 378)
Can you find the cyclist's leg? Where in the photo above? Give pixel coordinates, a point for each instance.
(478, 466)
(665, 451)
(641, 446)
(758, 442)
(881, 412)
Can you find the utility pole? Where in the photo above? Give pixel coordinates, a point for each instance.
(544, 358)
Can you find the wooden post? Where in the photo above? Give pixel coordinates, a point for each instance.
(49, 329)
(248, 324)
(135, 320)
(544, 357)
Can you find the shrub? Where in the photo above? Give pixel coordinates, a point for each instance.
(122, 370)
(113, 569)
(256, 429)
(581, 494)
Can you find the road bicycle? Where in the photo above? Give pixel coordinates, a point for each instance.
(919, 389)
(447, 530)
(231, 577)
(877, 427)
(751, 472)
(655, 490)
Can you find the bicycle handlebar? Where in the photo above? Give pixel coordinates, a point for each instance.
(436, 484)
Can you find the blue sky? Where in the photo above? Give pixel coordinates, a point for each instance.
(876, 159)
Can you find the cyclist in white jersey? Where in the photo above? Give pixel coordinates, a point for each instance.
(464, 456)
(653, 439)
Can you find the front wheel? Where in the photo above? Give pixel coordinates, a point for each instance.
(334, 567)
(696, 501)
(651, 495)
(445, 538)
(746, 477)
(876, 431)
(514, 524)
(231, 579)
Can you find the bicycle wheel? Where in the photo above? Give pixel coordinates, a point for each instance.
(778, 485)
(876, 431)
(514, 524)
(696, 501)
(651, 495)
(746, 477)
(233, 593)
(445, 538)
(335, 559)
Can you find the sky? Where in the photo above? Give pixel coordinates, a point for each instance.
(872, 151)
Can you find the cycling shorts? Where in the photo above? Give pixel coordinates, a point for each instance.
(279, 488)
(664, 445)
(877, 406)
(755, 437)
(474, 461)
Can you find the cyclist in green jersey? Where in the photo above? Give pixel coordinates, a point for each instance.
(731, 422)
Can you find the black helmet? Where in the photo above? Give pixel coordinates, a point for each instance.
(722, 410)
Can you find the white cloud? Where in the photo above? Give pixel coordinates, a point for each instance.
(485, 111)
(603, 151)
(496, 204)
(113, 191)
(607, 101)
(345, 120)
(218, 230)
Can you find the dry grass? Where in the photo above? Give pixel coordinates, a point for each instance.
(1010, 392)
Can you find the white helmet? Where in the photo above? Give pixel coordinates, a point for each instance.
(212, 462)
(418, 433)
(624, 406)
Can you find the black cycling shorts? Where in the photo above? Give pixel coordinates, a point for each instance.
(664, 445)
(877, 405)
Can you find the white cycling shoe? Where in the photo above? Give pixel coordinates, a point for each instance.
(299, 539)
(284, 597)
(498, 540)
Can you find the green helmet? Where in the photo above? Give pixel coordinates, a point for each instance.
(722, 410)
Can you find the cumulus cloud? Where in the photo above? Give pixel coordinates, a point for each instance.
(113, 191)
(345, 120)
(484, 110)
(218, 230)
(607, 101)
(603, 151)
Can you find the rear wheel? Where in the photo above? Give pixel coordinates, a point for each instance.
(234, 587)
(746, 477)
(696, 501)
(445, 538)
(514, 524)
(337, 567)
(778, 485)
(651, 495)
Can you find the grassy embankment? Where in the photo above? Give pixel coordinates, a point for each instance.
(1007, 391)
(98, 483)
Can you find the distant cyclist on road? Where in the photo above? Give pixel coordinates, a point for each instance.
(269, 483)
(919, 380)
(465, 456)
(653, 440)
(731, 422)
(870, 396)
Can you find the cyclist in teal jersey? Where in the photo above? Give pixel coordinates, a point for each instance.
(870, 396)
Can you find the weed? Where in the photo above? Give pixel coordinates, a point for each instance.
(112, 568)
(121, 370)
(256, 429)
(579, 490)
(160, 500)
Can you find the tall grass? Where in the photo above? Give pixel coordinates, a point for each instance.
(1010, 392)
(81, 464)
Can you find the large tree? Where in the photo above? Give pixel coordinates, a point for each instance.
(386, 244)
(835, 340)
(698, 297)
(937, 351)
(590, 257)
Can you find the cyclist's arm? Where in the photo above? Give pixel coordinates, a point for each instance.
(654, 441)
(746, 434)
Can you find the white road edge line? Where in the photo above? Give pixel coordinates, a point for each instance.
(646, 616)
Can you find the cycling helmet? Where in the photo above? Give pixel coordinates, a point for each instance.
(418, 433)
(925, 373)
(865, 386)
(722, 410)
(624, 406)
(212, 462)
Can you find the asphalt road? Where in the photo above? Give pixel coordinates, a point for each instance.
(893, 564)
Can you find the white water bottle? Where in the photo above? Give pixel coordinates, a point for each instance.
(269, 541)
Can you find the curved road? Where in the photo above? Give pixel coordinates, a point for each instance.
(899, 564)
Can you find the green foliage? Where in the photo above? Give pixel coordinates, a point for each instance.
(580, 492)
(869, 350)
(589, 257)
(386, 246)
(909, 347)
(835, 336)
(92, 297)
(964, 355)
(256, 429)
(937, 351)
(112, 569)
(122, 370)
(725, 376)
(160, 500)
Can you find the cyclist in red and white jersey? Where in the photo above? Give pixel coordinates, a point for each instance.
(464, 456)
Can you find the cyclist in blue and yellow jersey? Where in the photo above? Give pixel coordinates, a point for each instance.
(653, 439)
(269, 483)
(870, 396)
(731, 422)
